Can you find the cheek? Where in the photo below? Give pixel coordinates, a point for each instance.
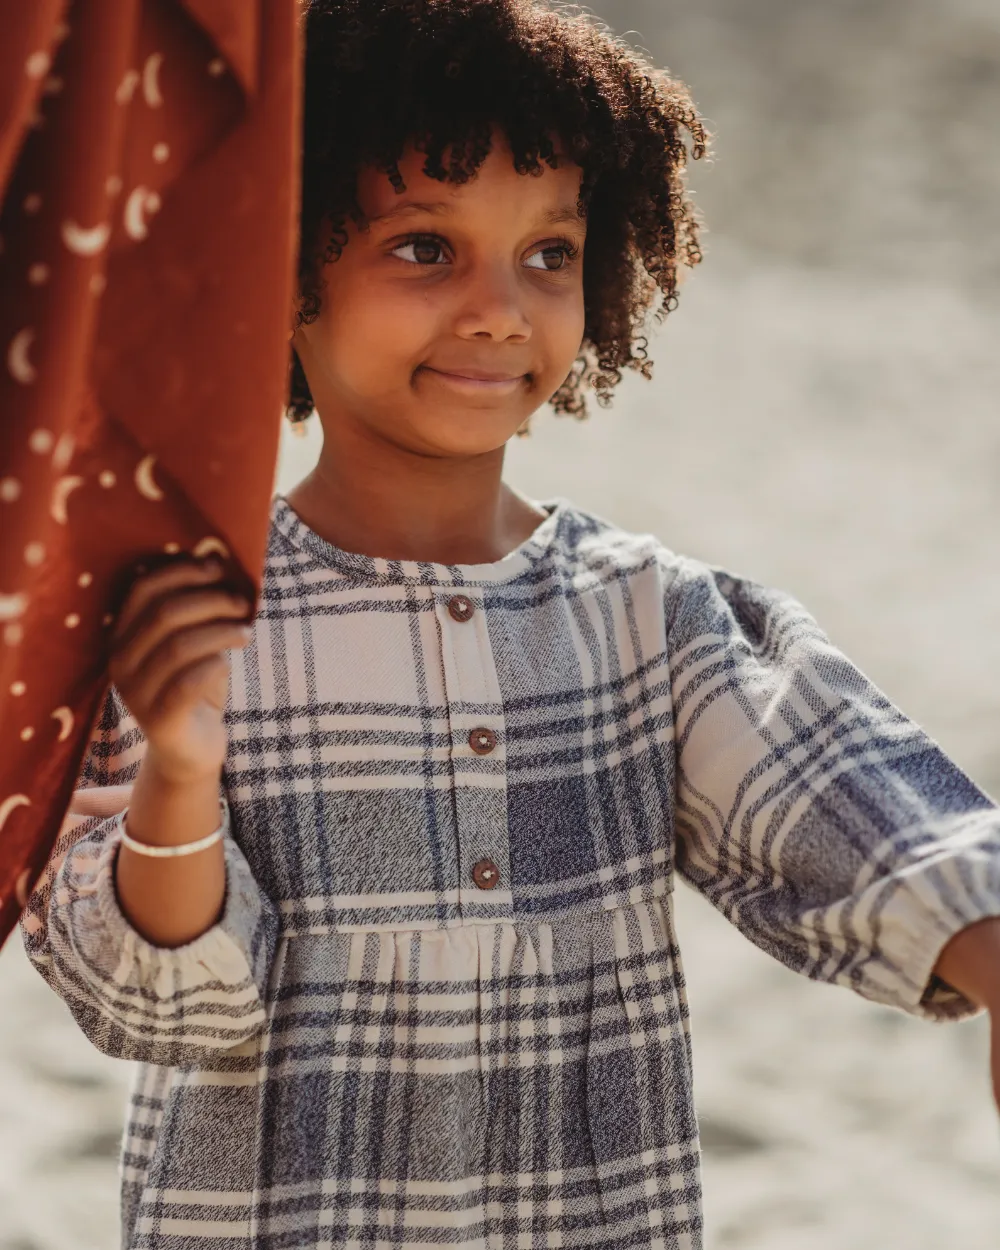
(373, 328)
(565, 324)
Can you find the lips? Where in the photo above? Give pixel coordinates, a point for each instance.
(471, 374)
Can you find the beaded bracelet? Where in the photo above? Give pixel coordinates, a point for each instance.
(185, 848)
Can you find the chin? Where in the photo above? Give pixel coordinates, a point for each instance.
(468, 433)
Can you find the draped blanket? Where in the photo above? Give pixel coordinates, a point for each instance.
(148, 173)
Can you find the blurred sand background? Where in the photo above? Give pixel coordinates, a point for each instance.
(825, 418)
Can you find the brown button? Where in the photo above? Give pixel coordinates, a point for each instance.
(483, 741)
(461, 608)
(485, 874)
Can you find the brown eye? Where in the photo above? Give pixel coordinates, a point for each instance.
(422, 251)
(550, 258)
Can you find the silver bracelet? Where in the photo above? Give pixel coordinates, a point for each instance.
(185, 848)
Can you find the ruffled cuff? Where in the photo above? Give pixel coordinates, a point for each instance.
(224, 952)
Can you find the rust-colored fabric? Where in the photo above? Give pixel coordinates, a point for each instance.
(148, 169)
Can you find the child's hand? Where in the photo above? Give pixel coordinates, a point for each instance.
(169, 662)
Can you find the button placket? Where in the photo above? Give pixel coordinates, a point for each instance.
(478, 760)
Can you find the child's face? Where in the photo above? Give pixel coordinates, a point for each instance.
(457, 313)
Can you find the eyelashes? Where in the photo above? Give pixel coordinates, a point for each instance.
(427, 251)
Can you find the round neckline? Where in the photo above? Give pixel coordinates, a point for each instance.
(377, 569)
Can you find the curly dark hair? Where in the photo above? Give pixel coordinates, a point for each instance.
(381, 74)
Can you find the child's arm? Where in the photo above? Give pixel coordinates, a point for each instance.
(825, 825)
(170, 966)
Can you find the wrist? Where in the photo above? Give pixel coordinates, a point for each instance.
(168, 772)
(970, 962)
(170, 806)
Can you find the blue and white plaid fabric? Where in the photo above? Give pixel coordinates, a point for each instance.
(370, 1050)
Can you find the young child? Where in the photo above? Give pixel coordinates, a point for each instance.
(420, 985)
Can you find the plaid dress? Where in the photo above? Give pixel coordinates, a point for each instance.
(444, 1005)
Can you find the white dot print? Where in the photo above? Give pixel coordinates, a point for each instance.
(113, 184)
(41, 441)
(37, 65)
(97, 283)
(12, 635)
(38, 274)
(72, 620)
(161, 153)
(18, 688)
(10, 489)
(34, 554)
(171, 548)
(12, 606)
(27, 733)
(107, 479)
(32, 203)
(217, 67)
(84, 580)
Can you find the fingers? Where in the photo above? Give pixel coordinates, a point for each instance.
(180, 575)
(175, 654)
(170, 623)
(175, 618)
(174, 597)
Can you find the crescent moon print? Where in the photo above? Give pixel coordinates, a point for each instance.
(144, 480)
(60, 493)
(20, 366)
(63, 453)
(85, 241)
(151, 80)
(65, 718)
(127, 86)
(208, 546)
(8, 805)
(12, 606)
(21, 888)
(140, 202)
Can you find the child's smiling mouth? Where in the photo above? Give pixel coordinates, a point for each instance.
(476, 381)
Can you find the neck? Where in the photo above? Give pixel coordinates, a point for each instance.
(377, 499)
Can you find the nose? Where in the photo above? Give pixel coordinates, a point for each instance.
(493, 306)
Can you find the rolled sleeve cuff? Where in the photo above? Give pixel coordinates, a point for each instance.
(936, 897)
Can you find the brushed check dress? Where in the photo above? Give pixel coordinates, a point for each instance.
(444, 1005)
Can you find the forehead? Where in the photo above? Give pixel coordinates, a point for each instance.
(497, 190)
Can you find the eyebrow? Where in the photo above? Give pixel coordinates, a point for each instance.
(566, 215)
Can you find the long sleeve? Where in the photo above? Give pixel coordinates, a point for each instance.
(132, 999)
(829, 828)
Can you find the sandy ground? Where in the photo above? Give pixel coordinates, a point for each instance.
(841, 445)
(824, 417)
